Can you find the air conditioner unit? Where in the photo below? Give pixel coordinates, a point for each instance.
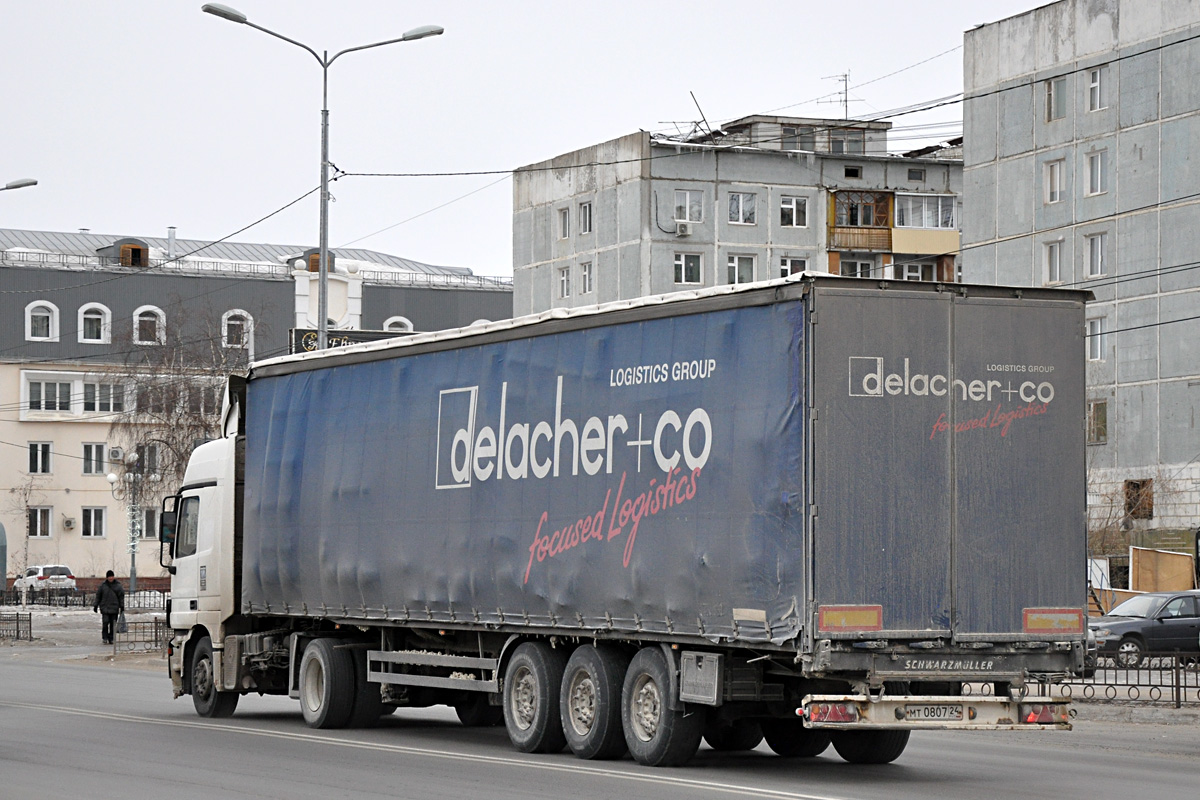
(683, 229)
(68, 523)
(115, 454)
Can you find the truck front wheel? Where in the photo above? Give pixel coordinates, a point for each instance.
(208, 701)
(870, 747)
(327, 685)
(657, 735)
(531, 686)
(591, 702)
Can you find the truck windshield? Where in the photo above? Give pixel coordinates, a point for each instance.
(1137, 607)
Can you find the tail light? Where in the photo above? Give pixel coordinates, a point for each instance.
(71, 577)
(831, 712)
(1043, 714)
(41, 577)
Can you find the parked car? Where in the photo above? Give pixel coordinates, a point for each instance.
(1155, 622)
(49, 576)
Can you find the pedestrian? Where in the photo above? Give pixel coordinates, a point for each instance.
(110, 602)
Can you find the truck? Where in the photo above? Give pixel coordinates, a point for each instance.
(816, 511)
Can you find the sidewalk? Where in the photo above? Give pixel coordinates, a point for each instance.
(75, 633)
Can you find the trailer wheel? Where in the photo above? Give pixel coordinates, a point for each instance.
(368, 702)
(531, 686)
(657, 735)
(790, 739)
(590, 702)
(208, 701)
(326, 684)
(734, 736)
(870, 747)
(474, 711)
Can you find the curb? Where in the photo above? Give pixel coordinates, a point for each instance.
(1163, 713)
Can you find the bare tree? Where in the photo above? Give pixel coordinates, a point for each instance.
(21, 499)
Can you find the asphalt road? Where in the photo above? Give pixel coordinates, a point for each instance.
(76, 726)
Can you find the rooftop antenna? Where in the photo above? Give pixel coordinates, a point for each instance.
(844, 98)
(702, 117)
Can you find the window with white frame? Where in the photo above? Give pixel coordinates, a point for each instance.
(564, 223)
(156, 398)
(916, 175)
(103, 397)
(93, 523)
(741, 208)
(149, 523)
(203, 399)
(790, 266)
(39, 522)
(585, 218)
(855, 269)
(1097, 258)
(39, 458)
(49, 396)
(237, 329)
(95, 324)
(41, 322)
(149, 325)
(564, 282)
(688, 268)
(1097, 421)
(1097, 167)
(1056, 99)
(740, 269)
(95, 458)
(793, 212)
(1096, 99)
(1054, 262)
(926, 211)
(1052, 180)
(585, 278)
(1096, 336)
(689, 205)
(398, 324)
(914, 272)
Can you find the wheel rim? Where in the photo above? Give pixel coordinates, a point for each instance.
(646, 708)
(314, 685)
(523, 701)
(1128, 652)
(202, 682)
(582, 702)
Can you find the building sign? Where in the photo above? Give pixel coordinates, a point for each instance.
(304, 340)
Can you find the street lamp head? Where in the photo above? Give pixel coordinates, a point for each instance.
(224, 12)
(111, 478)
(20, 183)
(422, 32)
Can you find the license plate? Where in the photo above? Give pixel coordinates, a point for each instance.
(921, 712)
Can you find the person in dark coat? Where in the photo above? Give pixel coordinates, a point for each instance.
(110, 602)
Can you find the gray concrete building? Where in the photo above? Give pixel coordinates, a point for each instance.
(1081, 127)
(763, 198)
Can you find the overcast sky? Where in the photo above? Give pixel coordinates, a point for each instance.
(139, 114)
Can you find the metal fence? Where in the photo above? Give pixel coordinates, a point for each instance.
(1159, 678)
(15, 625)
(142, 636)
(146, 600)
(143, 600)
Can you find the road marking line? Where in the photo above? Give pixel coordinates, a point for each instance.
(573, 768)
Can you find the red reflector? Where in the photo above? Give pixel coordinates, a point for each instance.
(1043, 714)
(833, 712)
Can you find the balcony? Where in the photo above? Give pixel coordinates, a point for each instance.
(845, 237)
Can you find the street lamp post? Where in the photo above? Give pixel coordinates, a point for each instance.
(325, 60)
(133, 486)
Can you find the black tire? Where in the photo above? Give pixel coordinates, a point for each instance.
(474, 711)
(327, 687)
(208, 701)
(656, 735)
(590, 702)
(737, 736)
(1130, 652)
(870, 747)
(790, 739)
(531, 686)
(368, 702)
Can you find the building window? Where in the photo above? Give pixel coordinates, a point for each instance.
(585, 217)
(1097, 421)
(1056, 99)
(103, 397)
(853, 172)
(95, 324)
(1053, 262)
(94, 458)
(1097, 166)
(855, 269)
(687, 268)
(39, 458)
(202, 400)
(93, 523)
(149, 326)
(398, 324)
(1096, 245)
(585, 278)
(39, 522)
(689, 206)
(1052, 178)
(1096, 100)
(926, 211)
(793, 212)
(1139, 499)
(237, 329)
(146, 462)
(861, 210)
(149, 523)
(795, 138)
(49, 396)
(741, 208)
(916, 175)
(741, 269)
(1095, 339)
(914, 272)
(41, 322)
(564, 223)
(846, 140)
(564, 282)
(790, 266)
